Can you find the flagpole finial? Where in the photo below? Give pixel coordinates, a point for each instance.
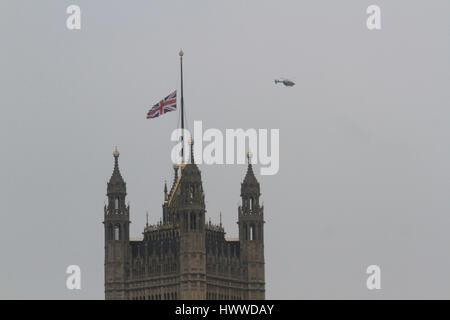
(116, 153)
(181, 53)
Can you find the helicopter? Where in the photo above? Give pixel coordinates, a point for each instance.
(286, 82)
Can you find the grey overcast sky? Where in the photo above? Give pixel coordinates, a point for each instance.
(364, 135)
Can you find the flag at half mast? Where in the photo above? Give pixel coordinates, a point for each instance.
(167, 104)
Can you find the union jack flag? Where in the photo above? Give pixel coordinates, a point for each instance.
(168, 104)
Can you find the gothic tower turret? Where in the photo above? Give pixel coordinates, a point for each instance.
(116, 223)
(251, 233)
(187, 207)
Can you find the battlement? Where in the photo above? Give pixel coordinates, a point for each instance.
(214, 227)
(161, 227)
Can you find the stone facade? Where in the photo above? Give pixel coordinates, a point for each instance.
(183, 257)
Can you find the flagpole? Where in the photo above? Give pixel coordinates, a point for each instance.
(182, 107)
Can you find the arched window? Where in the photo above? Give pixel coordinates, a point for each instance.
(193, 221)
(191, 192)
(251, 203)
(116, 203)
(117, 232)
(252, 232)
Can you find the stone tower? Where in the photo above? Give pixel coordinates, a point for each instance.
(189, 210)
(116, 223)
(251, 234)
(182, 257)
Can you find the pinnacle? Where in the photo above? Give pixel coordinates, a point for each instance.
(116, 183)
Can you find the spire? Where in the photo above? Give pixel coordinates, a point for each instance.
(191, 168)
(165, 191)
(250, 176)
(146, 219)
(116, 184)
(175, 179)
